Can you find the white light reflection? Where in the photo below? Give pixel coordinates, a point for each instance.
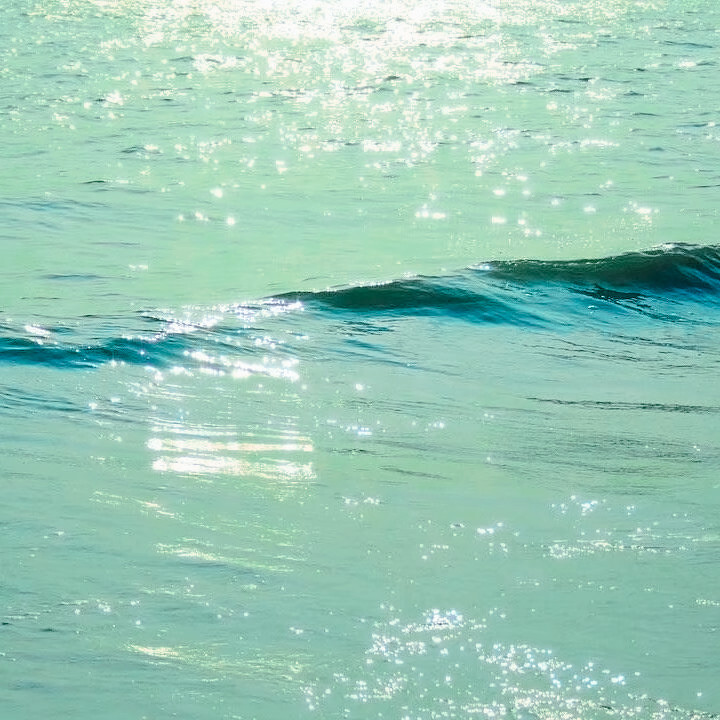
(335, 56)
(207, 426)
(421, 667)
(239, 369)
(210, 659)
(204, 457)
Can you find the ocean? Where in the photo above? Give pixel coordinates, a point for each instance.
(359, 359)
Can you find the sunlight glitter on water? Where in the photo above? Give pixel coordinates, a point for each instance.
(423, 492)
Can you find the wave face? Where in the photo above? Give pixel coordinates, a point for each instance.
(668, 284)
(498, 291)
(679, 283)
(673, 269)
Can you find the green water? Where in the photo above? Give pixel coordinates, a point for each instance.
(304, 513)
(347, 142)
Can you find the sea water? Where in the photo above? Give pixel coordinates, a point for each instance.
(359, 359)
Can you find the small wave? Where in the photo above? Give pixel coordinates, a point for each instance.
(668, 284)
(537, 292)
(452, 296)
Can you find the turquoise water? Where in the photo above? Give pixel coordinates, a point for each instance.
(359, 360)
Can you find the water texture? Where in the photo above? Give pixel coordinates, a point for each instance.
(359, 360)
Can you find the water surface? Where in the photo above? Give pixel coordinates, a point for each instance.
(359, 360)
